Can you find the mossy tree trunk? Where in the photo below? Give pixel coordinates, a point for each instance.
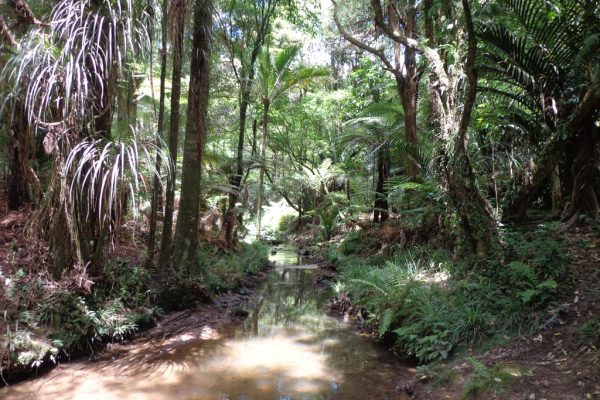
(186, 235)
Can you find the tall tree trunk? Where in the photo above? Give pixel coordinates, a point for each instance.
(261, 178)
(23, 185)
(474, 210)
(235, 180)
(177, 17)
(407, 80)
(21, 178)
(156, 186)
(476, 216)
(104, 90)
(186, 235)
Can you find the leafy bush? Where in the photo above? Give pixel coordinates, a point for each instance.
(130, 283)
(589, 332)
(69, 318)
(72, 319)
(287, 223)
(542, 251)
(437, 374)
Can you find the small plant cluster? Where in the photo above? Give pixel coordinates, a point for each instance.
(488, 381)
(46, 318)
(431, 308)
(224, 270)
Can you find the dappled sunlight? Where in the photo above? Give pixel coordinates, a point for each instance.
(294, 358)
(433, 277)
(288, 348)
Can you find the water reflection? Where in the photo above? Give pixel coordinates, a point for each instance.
(287, 349)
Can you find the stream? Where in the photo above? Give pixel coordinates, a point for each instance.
(288, 348)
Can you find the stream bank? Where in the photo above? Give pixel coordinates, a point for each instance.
(288, 347)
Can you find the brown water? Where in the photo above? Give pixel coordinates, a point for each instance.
(288, 348)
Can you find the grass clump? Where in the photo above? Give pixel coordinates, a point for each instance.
(589, 332)
(436, 375)
(488, 381)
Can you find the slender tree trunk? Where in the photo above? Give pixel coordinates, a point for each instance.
(156, 186)
(229, 221)
(177, 17)
(254, 132)
(261, 178)
(380, 209)
(186, 235)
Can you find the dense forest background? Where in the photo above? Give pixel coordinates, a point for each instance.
(144, 145)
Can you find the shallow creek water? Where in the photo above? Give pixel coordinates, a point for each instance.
(288, 348)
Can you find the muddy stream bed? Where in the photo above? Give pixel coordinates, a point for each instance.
(288, 348)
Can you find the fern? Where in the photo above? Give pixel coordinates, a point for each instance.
(387, 318)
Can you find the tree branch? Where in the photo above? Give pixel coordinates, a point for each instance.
(437, 66)
(24, 13)
(377, 52)
(5, 35)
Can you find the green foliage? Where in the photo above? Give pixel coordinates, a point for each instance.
(287, 223)
(224, 271)
(487, 381)
(359, 243)
(589, 332)
(72, 319)
(436, 374)
(431, 313)
(126, 281)
(329, 214)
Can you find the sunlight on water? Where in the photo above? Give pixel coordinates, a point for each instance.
(286, 349)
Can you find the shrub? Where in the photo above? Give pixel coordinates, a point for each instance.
(287, 223)
(589, 332)
(126, 281)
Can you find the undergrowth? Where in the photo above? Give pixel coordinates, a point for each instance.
(44, 318)
(431, 305)
(224, 270)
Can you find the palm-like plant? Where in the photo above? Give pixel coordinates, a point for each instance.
(541, 63)
(66, 79)
(276, 77)
(374, 132)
